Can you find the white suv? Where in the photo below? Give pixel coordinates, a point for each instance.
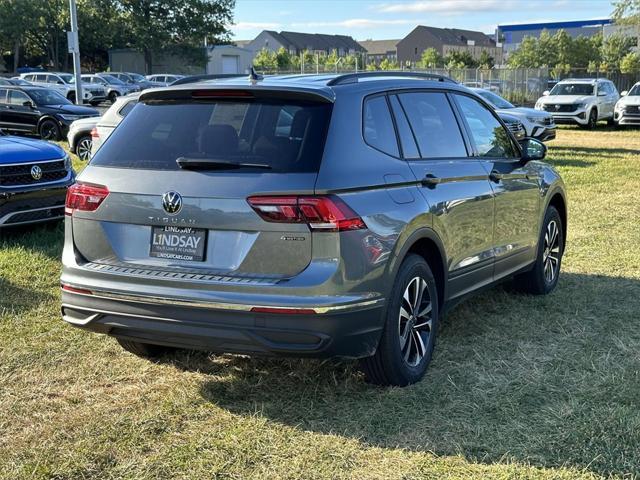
(580, 101)
(627, 111)
(65, 84)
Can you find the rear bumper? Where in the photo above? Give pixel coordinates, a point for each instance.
(35, 205)
(349, 331)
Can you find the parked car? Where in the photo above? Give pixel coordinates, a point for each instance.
(580, 101)
(310, 215)
(80, 137)
(34, 176)
(14, 81)
(40, 111)
(114, 87)
(514, 125)
(627, 110)
(164, 79)
(136, 80)
(65, 84)
(536, 124)
(111, 118)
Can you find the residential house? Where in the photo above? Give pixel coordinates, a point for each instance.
(446, 41)
(295, 43)
(379, 50)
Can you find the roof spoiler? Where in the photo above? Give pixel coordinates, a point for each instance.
(355, 77)
(236, 91)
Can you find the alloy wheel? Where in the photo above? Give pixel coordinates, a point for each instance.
(415, 321)
(48, 131)
(551, 254)
(83, 150)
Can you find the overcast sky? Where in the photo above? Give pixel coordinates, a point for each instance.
(363, 19)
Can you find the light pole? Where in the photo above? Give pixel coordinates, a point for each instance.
(74, 48)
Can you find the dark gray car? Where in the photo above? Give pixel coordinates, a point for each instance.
(306, 215)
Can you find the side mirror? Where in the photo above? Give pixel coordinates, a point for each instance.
(28, 103)
(533, 149)
(546, 93)
(624, 93)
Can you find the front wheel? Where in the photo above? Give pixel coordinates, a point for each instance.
(543, 277)
(593, 119)
(83, 148)
(49, 130)
(113, 96)
(410, 328)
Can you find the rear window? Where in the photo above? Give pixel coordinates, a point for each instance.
(289, 137)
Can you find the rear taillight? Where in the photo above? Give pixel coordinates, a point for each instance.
(85, 198)
(321, 212)
(94, 133)
(81, 291)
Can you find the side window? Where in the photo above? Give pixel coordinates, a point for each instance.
(29, 78)
(3, 95)
(490, 137)
(41, 78)
(434, 125)
(124, 111)
(407, 141)
(17, 98)
(378, 126)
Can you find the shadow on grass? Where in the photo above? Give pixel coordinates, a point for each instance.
(548, 381)
(19, 299)
(44, 238)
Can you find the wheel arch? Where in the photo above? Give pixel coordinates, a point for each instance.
(46, 117)
(426, 243)
(559, 202)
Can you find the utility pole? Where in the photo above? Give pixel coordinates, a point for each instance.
(74, 48)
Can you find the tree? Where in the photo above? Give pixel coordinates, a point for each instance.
(387, 64)
(614, 49)
(486, 61)
(266, 60)
(430, 58)
(456, 60)
(283, 59)
(157, 24)
(627, 12)
(630, 63)
(16, 22)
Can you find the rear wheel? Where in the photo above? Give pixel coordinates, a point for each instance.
(49, 130)
(593, 119)
(146, 350)
(410, 328)
(543, 277)
(113, 96)
(83, 148)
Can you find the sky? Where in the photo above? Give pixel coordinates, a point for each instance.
(391, 19)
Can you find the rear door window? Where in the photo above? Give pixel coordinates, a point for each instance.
(285, 135)
(434, 124)
(17, 98)
(3, 95)
(379, 132)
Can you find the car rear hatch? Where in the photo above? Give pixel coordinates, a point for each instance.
(199, 183)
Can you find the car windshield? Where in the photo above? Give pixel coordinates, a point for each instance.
(574, 89)
(635, 90)
(67, 78)
(496, 100)
(112, 80)
(46, 96)
(283, 136)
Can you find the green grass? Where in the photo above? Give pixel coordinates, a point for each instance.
(519, 387)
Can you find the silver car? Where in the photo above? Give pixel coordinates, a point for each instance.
(164, 79)
(318, 216)
(111, 119)
(114, 87)
(65, 84)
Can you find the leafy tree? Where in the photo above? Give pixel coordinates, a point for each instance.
(266, 60)
(486, 61)
(283, 59)
(462, 59)
(430, 58)
(614, 49)
(16, 22)
(371, 67)
(630, 63)
(387, 64)
(627, 12)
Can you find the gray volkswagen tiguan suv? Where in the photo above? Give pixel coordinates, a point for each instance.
(318, 215)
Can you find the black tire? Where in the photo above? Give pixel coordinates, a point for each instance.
(393, 363)
(71, 96)
(83, 148)
(593, 119)
(611, 122)
(113, 96)
(49, 130)
(144, 350)
(94, 103)
(536, 281)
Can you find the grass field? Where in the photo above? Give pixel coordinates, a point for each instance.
(519, 387)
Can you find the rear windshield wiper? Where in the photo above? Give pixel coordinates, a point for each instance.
(189, 163)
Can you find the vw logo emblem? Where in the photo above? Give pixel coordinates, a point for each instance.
(557, 107)
(172, 202)
(36, 172)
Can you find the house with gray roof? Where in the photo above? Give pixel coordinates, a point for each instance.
(445, 41)
(379, 50)
(296, 42)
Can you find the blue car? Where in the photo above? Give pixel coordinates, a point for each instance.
(34, 176)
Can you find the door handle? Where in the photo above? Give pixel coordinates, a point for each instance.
(430, 180)
(496, 176)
